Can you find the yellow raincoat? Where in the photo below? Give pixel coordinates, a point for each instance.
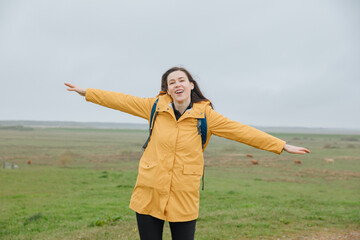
(171, 167)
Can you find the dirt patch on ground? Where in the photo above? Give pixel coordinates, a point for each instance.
(348, 158)
(127, 156)
(236, 159)
(293, 173)
(283, 180)
(328, 174)
(232, 160)
(328, 234)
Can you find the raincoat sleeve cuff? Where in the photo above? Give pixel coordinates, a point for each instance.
(282, 144)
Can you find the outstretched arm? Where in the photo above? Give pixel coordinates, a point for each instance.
(295, 149)
(224, 127)
(136, 106)
(75, 88)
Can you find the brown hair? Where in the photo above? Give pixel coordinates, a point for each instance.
(196, 94)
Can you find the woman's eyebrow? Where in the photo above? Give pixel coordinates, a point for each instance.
(173, 79)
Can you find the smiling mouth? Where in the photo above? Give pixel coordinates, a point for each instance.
(179, 91)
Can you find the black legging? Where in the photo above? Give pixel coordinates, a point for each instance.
(151, 228)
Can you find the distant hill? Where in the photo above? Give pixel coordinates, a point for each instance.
(310, 130)
(104, 125)
(63, 124)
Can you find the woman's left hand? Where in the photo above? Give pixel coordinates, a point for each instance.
(295, 150)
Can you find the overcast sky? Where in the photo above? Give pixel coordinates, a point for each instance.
(263, 63)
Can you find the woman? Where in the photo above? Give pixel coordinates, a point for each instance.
(167, 186)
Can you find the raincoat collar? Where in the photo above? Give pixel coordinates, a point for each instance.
(197, 110)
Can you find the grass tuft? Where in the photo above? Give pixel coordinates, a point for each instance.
(99, 222)
(34, 218)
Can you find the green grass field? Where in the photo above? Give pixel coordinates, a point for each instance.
(80, 182)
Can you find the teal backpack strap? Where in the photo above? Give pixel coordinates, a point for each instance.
(202, 130)
(152, 121)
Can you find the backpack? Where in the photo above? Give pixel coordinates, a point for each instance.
(201, 127)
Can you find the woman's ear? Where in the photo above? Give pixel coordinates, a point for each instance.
(192, 85)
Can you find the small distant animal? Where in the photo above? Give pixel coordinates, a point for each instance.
(297, 162)
(29, 161)
(254, 162)
(329, 160)
(249, 155)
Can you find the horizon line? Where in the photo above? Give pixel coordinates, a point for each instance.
(132, 123)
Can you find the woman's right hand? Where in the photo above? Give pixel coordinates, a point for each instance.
(75, 88)
(295, 149)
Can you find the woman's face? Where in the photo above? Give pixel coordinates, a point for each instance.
(179, 87)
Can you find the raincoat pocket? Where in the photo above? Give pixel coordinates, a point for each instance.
(147, 173)
(148, 165)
